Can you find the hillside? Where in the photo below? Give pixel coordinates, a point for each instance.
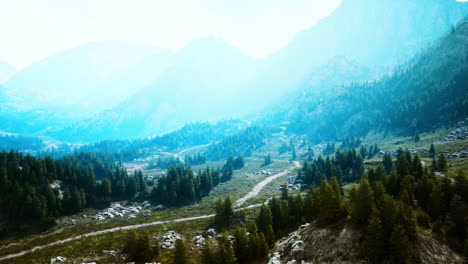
(427, 92)
(204, 76)
(372, 33)
(341, 243)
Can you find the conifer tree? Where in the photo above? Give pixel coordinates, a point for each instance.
(432, 151)
(442, 163)
(207, 255)
(399, 250)
(262, 246)
(375, 240)
(180, 252)
(362, 204)
(225, 252)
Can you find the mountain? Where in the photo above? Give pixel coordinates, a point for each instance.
(427, 92)
(6, 71)
(88, 78)
(372, 33)
(200, 84)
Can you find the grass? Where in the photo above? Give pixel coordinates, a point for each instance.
(236, 188)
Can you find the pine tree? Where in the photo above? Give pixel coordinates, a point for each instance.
(241, 244)
(399, 245)
(442, 163)
(180, 253)
(387, 162)
(416, 136)
(207, 255)
(457, 214)
(267, 160)
(264, 220)
(284, 192)
(225, 252)
(432, 151)
(294, 155)
(262, 246)
(375, 240)
(362, 205)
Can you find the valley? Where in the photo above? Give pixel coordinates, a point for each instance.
(347, 144)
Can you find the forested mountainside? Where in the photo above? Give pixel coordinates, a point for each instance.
(154, 91)
(373, 33)
(427, 92)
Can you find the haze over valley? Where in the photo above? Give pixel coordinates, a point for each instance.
(267, 132)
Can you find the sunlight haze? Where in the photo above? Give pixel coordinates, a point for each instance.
(33, 30)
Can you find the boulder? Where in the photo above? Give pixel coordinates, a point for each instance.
(275, 258)
(297, 247)
(58, 259)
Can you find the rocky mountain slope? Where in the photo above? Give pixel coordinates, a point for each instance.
(343, 244)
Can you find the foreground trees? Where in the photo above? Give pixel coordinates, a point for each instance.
(387, 208)
(34, 191)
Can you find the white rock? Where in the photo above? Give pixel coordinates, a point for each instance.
(58, 259)
(297, 247)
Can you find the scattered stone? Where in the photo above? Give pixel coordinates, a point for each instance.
(58, 259)
(293, 238)
(264, 172)
(169, 240)
(147, 213)
(210, 232)
(112, 252)
(131, 216)
(199, 241)
(297, 247)
(275, 259)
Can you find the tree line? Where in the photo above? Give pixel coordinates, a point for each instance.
(29, 198)
(388, 208)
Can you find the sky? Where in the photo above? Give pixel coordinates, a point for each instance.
(31, 30)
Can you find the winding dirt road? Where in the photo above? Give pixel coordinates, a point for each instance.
(257, 188)
(255, 191)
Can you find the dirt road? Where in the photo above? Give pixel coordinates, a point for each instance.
(255, 191)
(257, 188)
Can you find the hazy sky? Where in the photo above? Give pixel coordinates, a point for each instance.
(31, 30)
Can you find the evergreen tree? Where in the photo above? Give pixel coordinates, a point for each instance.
(284, 192)
(432, 151)
(262, 246)
(241, 243)
(387, 162)
(442, 163)
(375, 240)
(362, 204)
(267, 160)
(225, 252)
(416, 136)
(399, 250)
(180, 252)
(207, 255)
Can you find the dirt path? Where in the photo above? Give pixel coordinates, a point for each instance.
(112, 230)
(256, 190)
